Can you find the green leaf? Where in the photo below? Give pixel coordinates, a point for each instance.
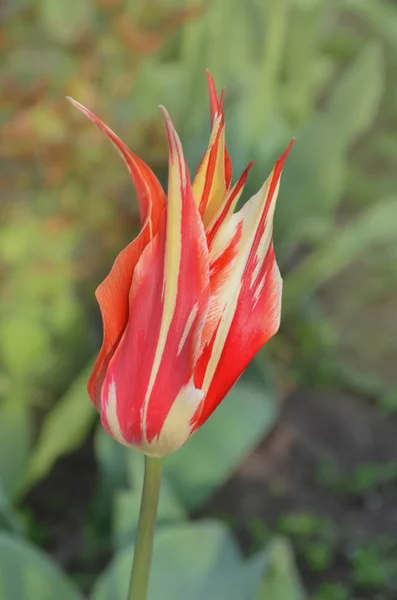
(354, 102)
(281, 580)
(214, 452)
(9, 521)
(376, 225)
(64, 428)
(15, 434)
(191, 561)
(27, 573)
(65, 21)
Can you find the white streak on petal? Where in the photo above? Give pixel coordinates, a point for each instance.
(264, 243)
(187, 328)
(177, 426)
(259, 289)
(111, 414)
(250, 216)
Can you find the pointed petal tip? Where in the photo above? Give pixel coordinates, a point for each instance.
(292, 142)
(281, 160)
(174, 142)
(166, 117)
(288, 149)
(210, 82)
(74, 102)
(83, 109)
(222, 101)
(165, 114)
(167, 121)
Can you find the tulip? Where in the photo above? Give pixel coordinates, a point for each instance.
(191, 300)
(185, 307)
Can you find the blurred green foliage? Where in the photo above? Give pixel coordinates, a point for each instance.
(318, 70)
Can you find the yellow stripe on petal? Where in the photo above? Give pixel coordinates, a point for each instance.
(230, 202)
(216, 195)
(209, 187)
(199, 180)
(177, 182)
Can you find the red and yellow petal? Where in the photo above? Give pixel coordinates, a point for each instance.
(223, 254)
(217, 108)
(213, 177)
(112, 293)
(150, 194)
(149, 396)
(249, 301)
(209, 186)
(226, 210)
(112, 297)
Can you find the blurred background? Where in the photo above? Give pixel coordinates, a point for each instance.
(299, 466)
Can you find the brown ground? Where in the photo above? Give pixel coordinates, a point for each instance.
(284, 476)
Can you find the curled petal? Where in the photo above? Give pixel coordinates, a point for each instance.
(149, 396)
(150, 194)
(112, 293)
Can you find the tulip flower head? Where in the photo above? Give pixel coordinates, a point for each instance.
(191, 300)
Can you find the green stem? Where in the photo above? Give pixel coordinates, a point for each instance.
(144, 540)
